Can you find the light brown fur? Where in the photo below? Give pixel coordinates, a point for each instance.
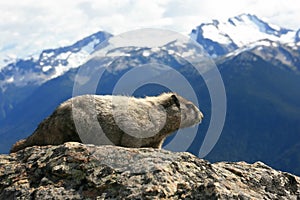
(124, 121)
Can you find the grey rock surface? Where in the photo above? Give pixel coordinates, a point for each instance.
(79, 171)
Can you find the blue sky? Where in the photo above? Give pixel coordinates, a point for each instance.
(29, 26)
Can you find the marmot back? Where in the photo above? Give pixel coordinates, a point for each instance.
(119, 120)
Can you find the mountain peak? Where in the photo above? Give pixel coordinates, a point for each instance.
(244, 17)
(50, 63)
(223, 37)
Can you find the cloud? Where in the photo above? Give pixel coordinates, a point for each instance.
(283, 13)
(31, 25)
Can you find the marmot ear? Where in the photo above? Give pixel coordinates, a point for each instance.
(175, 100)
(171, 100)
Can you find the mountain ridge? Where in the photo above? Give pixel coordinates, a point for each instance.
(260, 79)
(20, 78)
(219, 38)
(50, 63)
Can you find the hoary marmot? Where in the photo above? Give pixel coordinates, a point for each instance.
(118, 120)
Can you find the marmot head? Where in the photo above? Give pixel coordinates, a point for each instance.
(181, 110)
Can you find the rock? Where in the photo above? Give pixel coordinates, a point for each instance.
(79, 171)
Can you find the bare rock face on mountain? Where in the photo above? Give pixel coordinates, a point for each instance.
(79, 171)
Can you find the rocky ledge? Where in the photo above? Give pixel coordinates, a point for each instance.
(78, 171)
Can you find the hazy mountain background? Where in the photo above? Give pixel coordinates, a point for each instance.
(259, 64)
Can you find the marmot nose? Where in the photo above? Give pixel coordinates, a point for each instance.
(201, 116)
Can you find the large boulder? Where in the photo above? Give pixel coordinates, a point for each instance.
(79, 171)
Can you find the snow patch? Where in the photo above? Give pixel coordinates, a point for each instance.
(48, 55)
(170, 51)
(46, 68)
(117, 53)
(264, 43)
(146, 53)
(10, 80)
(288, 37)
(90, 47)
(275, 44)
(275, 27)
(155, 49)
(64, 56)
(214, 34)
(242, 30)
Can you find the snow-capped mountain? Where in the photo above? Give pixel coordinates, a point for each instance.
(224, 40)
(220, 38)
(257, 62)
(50, 63)
(241, 33)
(281, 55)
